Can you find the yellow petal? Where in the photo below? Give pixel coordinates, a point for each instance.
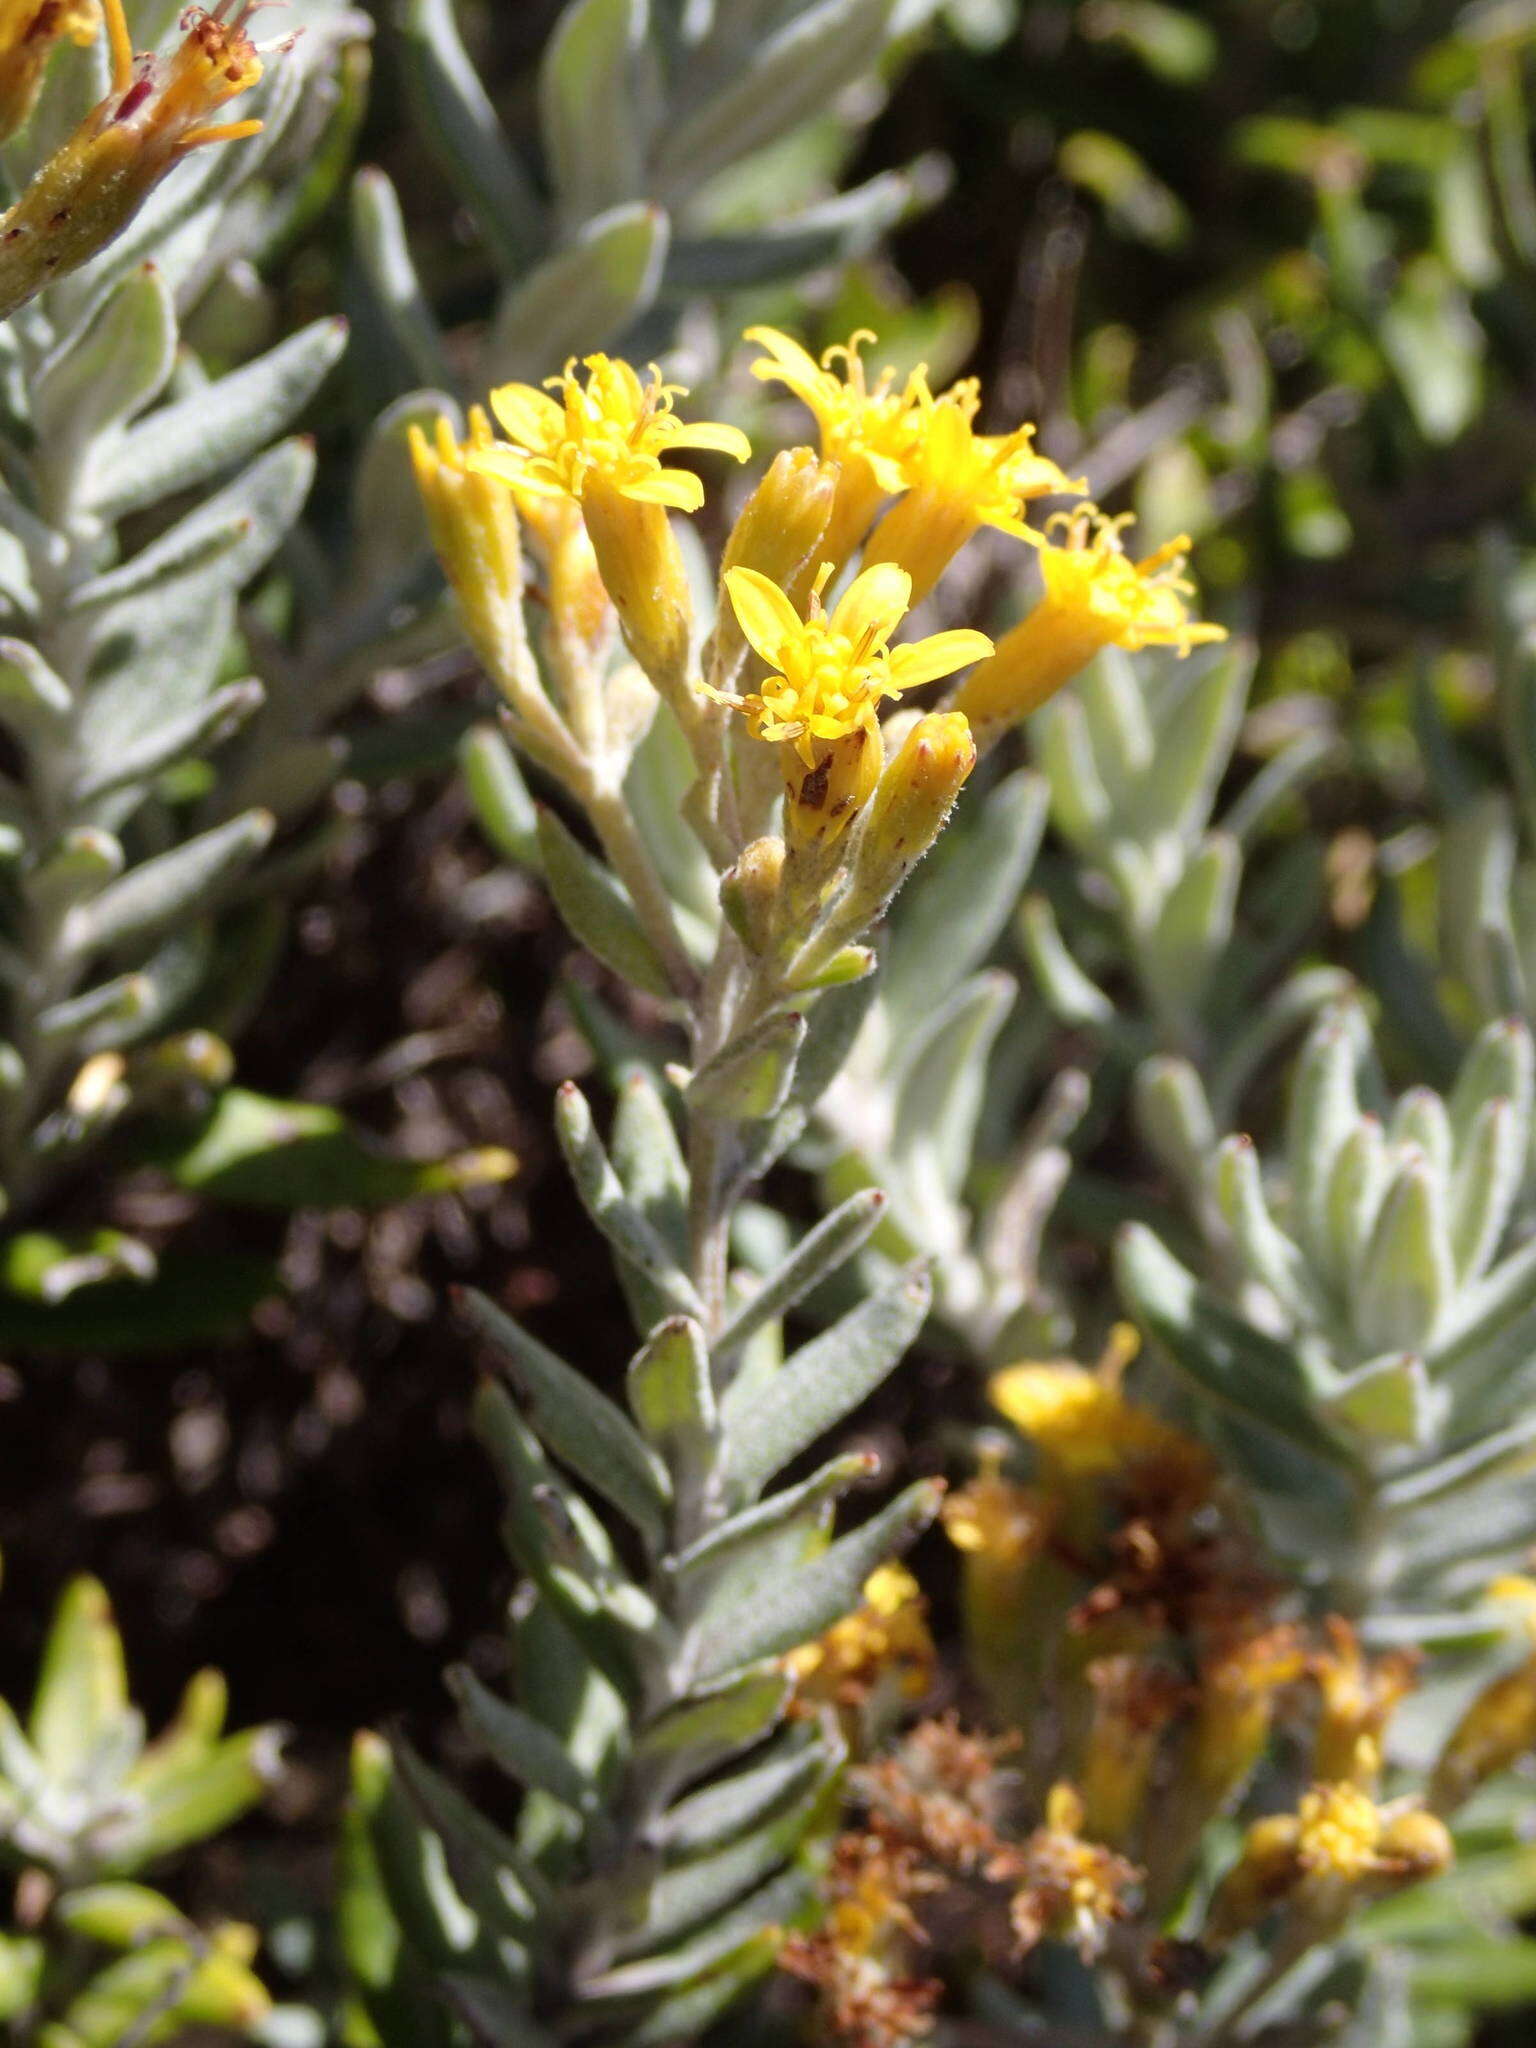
(786, 360)
(939, 655)
(763, 612)
(710, 434)
(510, 464)
(678, 488)
(874, 604)
(530, 417)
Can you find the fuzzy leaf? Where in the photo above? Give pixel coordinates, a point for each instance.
(583, 296)
(595, 906)
(592, 105)
(670, 1394)
(750, 1079)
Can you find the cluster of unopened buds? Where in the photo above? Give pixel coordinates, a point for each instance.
(827, 557)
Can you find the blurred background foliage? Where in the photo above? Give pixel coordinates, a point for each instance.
(1266, 271)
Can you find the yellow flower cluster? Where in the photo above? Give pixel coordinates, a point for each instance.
(883, 1642)
(1081, 1423)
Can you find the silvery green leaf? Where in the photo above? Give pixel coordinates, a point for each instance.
(822, 1382)
(1194, 746)
(665, 1908)
(489, 1883)
(791, 76)
(104, 375)
(388, 558)
(959, 905)
(596, 100)
(1484, 1185)
(1389, 1400)
(217, 426)
(606, 1202)
(1119, 731)
(1420, 1120)
(714, 1964)
(670, 1394)
(738, 1804)
(944, 1082)
(581, 1426)
(755, 1530)
(583, 296)
(1227, 1360)
(114, 1006)
(835, 231)
(462, 128)
(1357, 1188)
(1408, 1277)
(33, 700)
(79, 866)
(1278, 781)
(495, 787)
(1477, 864)
(1296, 1002)
(594, 905)
(798, 1609)
(521, 1746)
(749, 1079)
(1071, 994)
(166, 888)
(716, 1723)
(379, 237)
(1194, 927)
(1174, 1118)
(649, 1159)
(175, 739)
(740, 1574)
(82, 1685)
(823, 1249)
(157, 652)
(1080, 806)
(1323, 1111)
(1504, 1450)
(1499, 1064)
(1270, 1254)
(832, 1026)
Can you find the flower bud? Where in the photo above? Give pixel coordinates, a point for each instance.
(779, 534)
(749, 893)
(1497, 1730)
(915, 797)
(474, 529)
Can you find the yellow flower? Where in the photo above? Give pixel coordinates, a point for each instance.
(610, 428)
(158, 110)
(1096, 596)
(916, 795)
(958, 481)
(1235, 1710)
(866, 429)
(1359, 1698)
(1135, 1701)
(831, 671)
(600, 444)
(29, 30)
(1339, 1845)
(1338, 1833)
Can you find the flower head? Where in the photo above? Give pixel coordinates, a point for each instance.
(609, 426)
(860, 422)
(1359, 1697)
(1073, 1890)
(29, 31)
(832, 670)
(1096, 596)
(1081, 1422)
(958, 481)
(884, 1639)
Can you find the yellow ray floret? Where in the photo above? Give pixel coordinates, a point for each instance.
(832, 670)
(874, 423)
(610, 426)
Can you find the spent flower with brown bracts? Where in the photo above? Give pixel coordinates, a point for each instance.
(1070, 1889)
(159, 110)
(1358, 1696)
(938, 1791)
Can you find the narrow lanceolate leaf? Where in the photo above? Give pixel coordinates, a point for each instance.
(824, 1381)
(496, 789)
(192, 731)
(591, 105)
(114, 368)
(798, 1609)
(602, 1194)
(757, 1526)
(733, 1806)
(1324, 1110)
(714, 1725)
(1484, 1185)
(582, 1427)
(670, 1394)
(82, 1688)
(461, 127)
(32, 698)
(649, 1159)
(1267, 1249)
(750, 1080)
(217, 427)
(819, 1253)
(171, 886)
(524, 1748)
(1390, 1400)
(1408, 1278)
(1500, 1063)
(583, 296)
(1225, 1358)
(1070, 993)
(596, 908)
